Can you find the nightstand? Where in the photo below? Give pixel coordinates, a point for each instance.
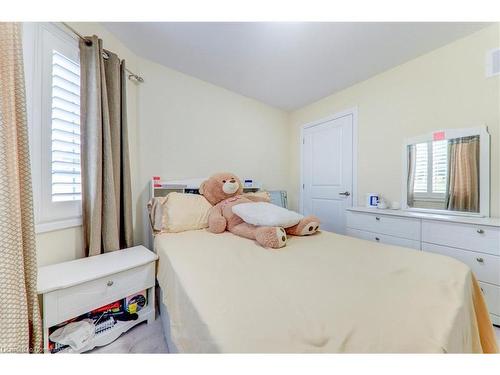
(74, 288)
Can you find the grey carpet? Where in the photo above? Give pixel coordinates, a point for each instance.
(143, 338)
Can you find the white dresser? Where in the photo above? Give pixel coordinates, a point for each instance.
(473, 241)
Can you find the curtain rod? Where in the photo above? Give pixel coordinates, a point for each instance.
(131, 75)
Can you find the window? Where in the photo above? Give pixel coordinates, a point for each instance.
(431, 169)
(53, 96)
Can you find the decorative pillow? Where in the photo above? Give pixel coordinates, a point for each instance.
(266, 214)
(178, 212)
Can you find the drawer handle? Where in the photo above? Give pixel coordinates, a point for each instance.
(110, 283)
(480, 231)
(480, 260)
(377, 218)
(377, 239)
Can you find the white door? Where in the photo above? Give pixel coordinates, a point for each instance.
(327, 171)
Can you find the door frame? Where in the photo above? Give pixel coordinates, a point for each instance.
(351, 111)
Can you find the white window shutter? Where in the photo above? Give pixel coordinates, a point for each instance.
(66, 172)
(439, 166)
(421, 168)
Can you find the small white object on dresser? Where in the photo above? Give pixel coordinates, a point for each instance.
(474, 241)
(73, 288)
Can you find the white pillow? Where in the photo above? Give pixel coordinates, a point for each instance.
(266, 214)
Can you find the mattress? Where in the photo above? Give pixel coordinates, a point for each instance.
(325, 293)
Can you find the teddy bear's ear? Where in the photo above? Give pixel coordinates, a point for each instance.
(202, 187)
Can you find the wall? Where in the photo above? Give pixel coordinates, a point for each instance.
(190, 128)
(66, 244)
(445, 88)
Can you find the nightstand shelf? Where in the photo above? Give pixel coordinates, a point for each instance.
(112, 334)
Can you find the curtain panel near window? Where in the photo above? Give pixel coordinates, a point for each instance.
(20, 325)
(462, 192)
(106, 186)
(412, 156)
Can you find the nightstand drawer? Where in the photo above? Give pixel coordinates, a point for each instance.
(81, 298)
(385, 224)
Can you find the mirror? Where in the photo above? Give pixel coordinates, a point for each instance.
(448, 170)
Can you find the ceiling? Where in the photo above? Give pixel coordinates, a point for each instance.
(286, 65)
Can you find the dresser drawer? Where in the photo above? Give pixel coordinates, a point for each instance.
(383, 238)
(492, 296)
(479, 238)
(76, 300)
(385, 224)
(486, 267)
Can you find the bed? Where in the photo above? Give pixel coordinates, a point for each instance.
(327, 293)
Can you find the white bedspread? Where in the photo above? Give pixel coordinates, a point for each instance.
(324, 293)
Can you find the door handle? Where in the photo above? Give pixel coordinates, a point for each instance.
(345, 193)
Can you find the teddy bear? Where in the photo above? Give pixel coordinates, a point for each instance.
(223, 191)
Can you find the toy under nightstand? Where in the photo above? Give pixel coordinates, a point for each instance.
(80, 288)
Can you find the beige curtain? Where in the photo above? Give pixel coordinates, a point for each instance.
(412, 152)
(20, 326)
(463, 174)
(106, 191)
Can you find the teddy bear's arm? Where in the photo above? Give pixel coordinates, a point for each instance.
(258, 197)
(216, 221)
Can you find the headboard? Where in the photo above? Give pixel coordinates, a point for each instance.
(161, 188)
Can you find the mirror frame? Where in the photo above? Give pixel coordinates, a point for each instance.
(484, 169)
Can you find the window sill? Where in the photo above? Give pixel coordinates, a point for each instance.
(58, 225)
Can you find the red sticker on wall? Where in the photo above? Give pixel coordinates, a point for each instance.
(438, 136)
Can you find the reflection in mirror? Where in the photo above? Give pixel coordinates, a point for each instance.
(444, 174)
